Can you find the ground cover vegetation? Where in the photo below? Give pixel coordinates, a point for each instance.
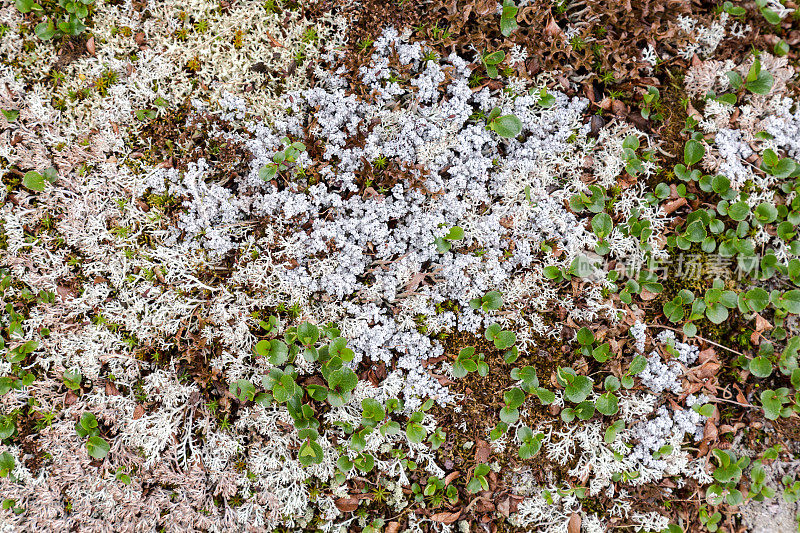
(390, 266)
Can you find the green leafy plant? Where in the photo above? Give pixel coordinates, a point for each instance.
(727, 475)
(283, 159)
(576, 387)
(467, 361)
(7, 464)
(652, 104)
(529, 382)
(491, 301)
(774, 402)
(443, 244)
(757, 81)
(501, 338)
(491, 60)
(87, 426)
(531, 444)
(478, 479)
(508, 126)
(72, 379)
(709, 520)
(36, 181)
(67, 17)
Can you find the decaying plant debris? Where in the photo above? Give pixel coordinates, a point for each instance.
(399, 266)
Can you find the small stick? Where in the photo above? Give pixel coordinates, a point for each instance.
(698, 337)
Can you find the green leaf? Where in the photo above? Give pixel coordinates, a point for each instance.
(638, 364)
(602, 225)
(7, 428)
(45, 30)
(766, 213)
(505, 339)
(509, 415)
(717, 313)
(494, 58)
(696, 231)
(6, 464)
(579, 389)
(10, 114)
(492, 301)
(760, 366)
(611, 384)
(631, 142)
(781, 48)
(738, 211)
(307, 333)
(693, 152)
(310, 452)
(24, 6)
(508, 126)
(612, 431)
(735, 78)
(97, 447)
(33, 181)
(546, 397)
(771, 403)
(757, 299)
(243, 389)
(585, 336)
(492, 331)
(415, 432)
(761, 85)
(607, 404)
(508, 22)
(514, 398)
(456, 233)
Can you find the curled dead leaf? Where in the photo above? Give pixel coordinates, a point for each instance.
(450, 477)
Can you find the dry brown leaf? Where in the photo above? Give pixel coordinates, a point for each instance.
(646, 295)
(504, 507)
(111, 389)
(138, 412)
(347, 505)
(574, 524)
(446, 518)
(707, 355)
(450, 477)
(393, 527)
(482, 451)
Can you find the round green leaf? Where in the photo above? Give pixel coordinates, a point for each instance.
(760, 366)
(693, 152)
(97, 447)
(507, 126)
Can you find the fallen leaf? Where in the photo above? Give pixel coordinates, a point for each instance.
(482, 451)
(504, 507)
(138, 412)
(446, 518)
(450, 477)
(574, 524)
(762, 324)
(111, 389)
(347, 505)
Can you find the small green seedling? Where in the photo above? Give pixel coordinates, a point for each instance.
(282, 159)
(508, 126)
